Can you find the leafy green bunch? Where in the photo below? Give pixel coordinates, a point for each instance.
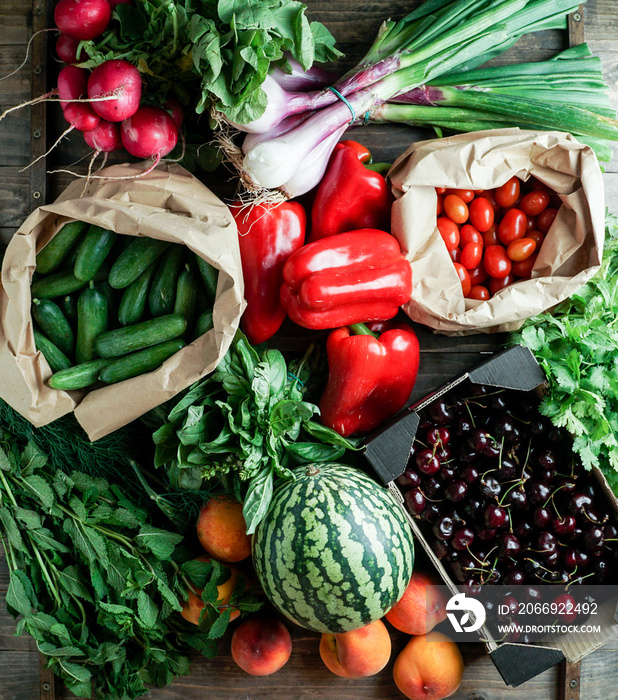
(246, 425)
(220, 49)
(577, 346)
(96, 584)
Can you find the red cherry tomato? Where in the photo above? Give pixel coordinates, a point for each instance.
(507, 194)
(490, 237)
(471, 255)
(440, 190)
(496, 262)
(466, 196)
(362, 153)
(512, 226)
(478, 275)
(455, 208)
(449, 232)
(521, 249)
(524, 267)
(455, 254)
(440, 205)
(490, 197)
(498, 283)
(468, 234)
(530, 224)
(478, 291)
(535, 185)
(546, 219)
(481, 214)
(536, 236)
(464, 278)
(533, 203)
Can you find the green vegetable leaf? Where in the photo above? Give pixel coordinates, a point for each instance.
(40, 489)
(147, 609)
(258, 498)
(160, 542)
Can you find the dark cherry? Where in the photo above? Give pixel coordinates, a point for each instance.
(447, 473)
(565, 485)
(547, 459)
(533, 594)
(509, 545)
(438, 435)
(432, 487)
(427, 462)
(477, 439)
(492, 449)
(409, 478)
(516, 498)
(537, 428)
(443, 453)
(507, 470)
(415, 501)
(439, 548)
(431, 512)
(594, 538)
(602, 569)
(594, 515)
(493, 577)
(579, 503)
(470, 474)
(443, 528)
(563, 526)
(490, 487)
(552, 560)
(466, 455)
(440, 412)
(538, 491)
(495, 516)
(473, 506)
(509, 606)
(462, 538)
(547, 474)
(525, 474)
(541, 517)
(523, 529)
(546, 543)
(472, 586)
(591, 489)
(456, 491)
(486, 534)
(498, 402)
(610, 531)
(515, 577)
(464, 425)
(574, 558)
(464, 567)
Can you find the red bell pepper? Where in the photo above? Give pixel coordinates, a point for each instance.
(350, 196)
(267, 234)
(370, 378)
(347, 278)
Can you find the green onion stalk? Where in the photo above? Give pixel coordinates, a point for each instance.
(439, 37)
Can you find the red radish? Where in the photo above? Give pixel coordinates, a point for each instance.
(113, 3)
(174, 107)
(105, 137)
(150, 132)
(117, 77)
(72, 84)
(66, 48)
(81, 116)
(82, 19)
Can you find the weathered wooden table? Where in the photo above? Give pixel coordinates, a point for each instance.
(27, 134)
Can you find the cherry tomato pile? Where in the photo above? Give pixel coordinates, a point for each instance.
(494, 236)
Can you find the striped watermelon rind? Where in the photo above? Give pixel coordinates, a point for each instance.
(335, 551)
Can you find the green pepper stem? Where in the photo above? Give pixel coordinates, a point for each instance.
(361, 329)
(381, 168)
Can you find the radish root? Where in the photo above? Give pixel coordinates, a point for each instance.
(56, 142)
(23, 63)
(156, 161)
(52, 96)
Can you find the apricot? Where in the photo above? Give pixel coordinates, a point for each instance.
(222, 531)
(358, 653)
(192, 607)
(261, 645)
(429, 667)
(421, 607)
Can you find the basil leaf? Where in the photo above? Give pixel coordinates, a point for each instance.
(258, 498)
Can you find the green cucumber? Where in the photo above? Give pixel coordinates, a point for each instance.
(56, 359)
(92, 320)
(133, 302)
(209, 275)
(163, 287)
(77, 377)
(68, 304)
(62, 283)
(111, 295)
(54, 324)
(142, 335)
(134, 260)
(186, 295)
(140, 362)
(50, 258)
(93, 251)
(204, 323)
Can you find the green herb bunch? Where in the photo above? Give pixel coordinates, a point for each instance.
(96, 584)
(220, 50)
(244, 426)
(577, 346)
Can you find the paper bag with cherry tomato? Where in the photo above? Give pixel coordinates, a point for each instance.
(498, 225)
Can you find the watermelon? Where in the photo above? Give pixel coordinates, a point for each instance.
(334, 551)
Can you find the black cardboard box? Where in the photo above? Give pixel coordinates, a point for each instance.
(388, 449)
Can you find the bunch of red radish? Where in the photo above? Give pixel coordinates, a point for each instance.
(105, 104)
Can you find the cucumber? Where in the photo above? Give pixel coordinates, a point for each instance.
(56, 359)
(92, 320)
(54, 324)
(139, 362)
(62, 283)
(77, 377)
(204, 323)
(133, 302)
(142, 335)
(163, 287)
(49, 258)
(93, 251)
(209, 275)
(111, 295)
(68, 304)
(186, 295)
(134, 260)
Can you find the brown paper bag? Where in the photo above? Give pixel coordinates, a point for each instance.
(169, 204)
(569, 256)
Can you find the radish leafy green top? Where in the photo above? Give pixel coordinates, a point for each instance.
(221, 49)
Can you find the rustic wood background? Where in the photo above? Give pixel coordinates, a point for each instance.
(24, 135)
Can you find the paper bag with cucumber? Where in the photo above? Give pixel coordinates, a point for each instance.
(117, 296)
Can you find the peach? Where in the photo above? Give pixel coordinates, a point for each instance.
(421, 607)
(430, 667)
(222, 531)
(358, 653)
(192, 607)
(261, 645)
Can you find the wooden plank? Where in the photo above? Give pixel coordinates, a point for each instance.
(19, 674)
(576, 27)
(14, 195)
(38, 112)
(570, 680)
